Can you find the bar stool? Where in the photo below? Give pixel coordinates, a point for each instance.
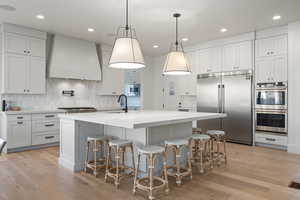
(218, 137)
(148, 183)
(177, 171)
(96, 143)
(120, 170)
(201, 153)
(197, 130)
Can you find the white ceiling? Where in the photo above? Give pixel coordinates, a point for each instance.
(152, 19)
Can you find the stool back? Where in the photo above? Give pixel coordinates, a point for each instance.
(2, 144)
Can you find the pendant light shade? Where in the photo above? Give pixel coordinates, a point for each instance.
(176, 62)
(126, 53)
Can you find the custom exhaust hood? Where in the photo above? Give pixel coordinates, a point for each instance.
(73, 58)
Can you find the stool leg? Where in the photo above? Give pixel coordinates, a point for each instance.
(190, 164)
(178, 177)
(151, 166)
(201, 156)
(210, 154)
(218, 151)
(225, 153)
(212, 151)
(165, 171)
(107, 163)
(117, 183)
(136, 173)
(87, 156)
(132, 154)
(95, 158)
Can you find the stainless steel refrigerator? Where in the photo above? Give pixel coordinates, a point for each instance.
(229, 93)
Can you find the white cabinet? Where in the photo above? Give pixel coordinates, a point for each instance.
(271, 59)
(273, 69)
(25, 130)
(237, 56)
(24, 61)
(112, 82)
(24, 74)
(210, 60)
(187, 83)
(19, 134)
(272, 46)
(36, 75)
(15, 70)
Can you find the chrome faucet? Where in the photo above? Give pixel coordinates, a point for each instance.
(119, 100)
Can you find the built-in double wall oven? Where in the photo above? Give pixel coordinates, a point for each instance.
(271, 107)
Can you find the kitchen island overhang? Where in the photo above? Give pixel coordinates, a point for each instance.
(144, 127)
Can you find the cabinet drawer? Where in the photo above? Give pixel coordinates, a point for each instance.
(50, 137)
(271, 139)
(18, 117)
(45, 125)
(49, 116)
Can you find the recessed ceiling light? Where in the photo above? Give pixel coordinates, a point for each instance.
(91, 30)
(185, 39)
(155, 46)
(40, 16)
(223, 30)
(276, 17)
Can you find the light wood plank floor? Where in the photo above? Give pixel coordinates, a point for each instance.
(252, 173)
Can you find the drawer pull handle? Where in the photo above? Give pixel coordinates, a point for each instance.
(271, 139)
(20, 122)
(49, 116)
(19, 117)
(49, 137)
(48, 125)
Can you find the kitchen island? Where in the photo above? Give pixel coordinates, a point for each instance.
(145, 127)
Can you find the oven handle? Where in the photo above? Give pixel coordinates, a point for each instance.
(271, 111)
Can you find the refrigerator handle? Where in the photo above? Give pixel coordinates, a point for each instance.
(219, 99)
(223, 98)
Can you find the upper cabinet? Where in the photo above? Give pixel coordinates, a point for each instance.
(272, 46)
(187, 83)
(112, 82)
(271, 59)
(210, 60)
(24, 62)
(237, 56)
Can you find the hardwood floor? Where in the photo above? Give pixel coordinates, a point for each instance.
(252, 173)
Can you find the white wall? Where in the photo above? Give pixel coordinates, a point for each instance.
(294, 87)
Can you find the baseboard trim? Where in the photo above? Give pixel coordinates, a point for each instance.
(34, 147)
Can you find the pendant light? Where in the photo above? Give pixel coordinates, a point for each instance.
(176, 62)
(126, 53)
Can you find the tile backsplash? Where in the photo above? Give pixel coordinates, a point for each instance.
(85, 95)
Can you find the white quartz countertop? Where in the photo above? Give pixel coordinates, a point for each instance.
(142, 118)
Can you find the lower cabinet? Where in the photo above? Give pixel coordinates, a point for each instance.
(27, 130)
(19, 134)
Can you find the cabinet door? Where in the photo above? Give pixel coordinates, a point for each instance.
(112, 82)
(279, 69)
(37, 47)
(230, 57)
(264, 70)
(264, 47)
(15, 73)
(215, 59)
(15, 43)
(280, 45)
(244, 55)
(203, 60)
(36, 76)
(19, 134)
(272, 46)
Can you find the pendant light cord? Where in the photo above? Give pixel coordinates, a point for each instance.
(127, 27)
(176, 15)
